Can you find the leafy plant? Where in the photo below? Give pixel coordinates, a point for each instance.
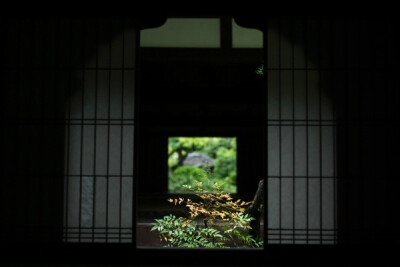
(260, 70)
(225, 168)
(215, 221)
(185, 175)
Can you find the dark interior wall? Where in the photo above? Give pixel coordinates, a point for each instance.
(365, 57)
(154, 167)
(32, 144)
(368, 117)
(360, 63)
(199, 92)
(153, 164)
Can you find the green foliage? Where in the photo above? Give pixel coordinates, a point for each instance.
(223, 150)
(180, 232)
(260, 70)
(185, 175)
(225, 168)
(225, 222)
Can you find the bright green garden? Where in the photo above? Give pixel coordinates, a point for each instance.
(198, 158)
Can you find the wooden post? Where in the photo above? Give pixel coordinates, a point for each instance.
(254, 209)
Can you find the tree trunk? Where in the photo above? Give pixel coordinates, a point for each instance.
(255, 211)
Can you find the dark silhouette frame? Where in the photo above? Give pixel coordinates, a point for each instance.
(363, 136)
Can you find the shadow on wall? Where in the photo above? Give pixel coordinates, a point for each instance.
(52, 74)
(301, 134)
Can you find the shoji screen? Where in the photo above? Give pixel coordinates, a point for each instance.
(301, 188)
(99, 133)
(68, 109)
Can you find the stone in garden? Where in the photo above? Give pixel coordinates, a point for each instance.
(198, 160)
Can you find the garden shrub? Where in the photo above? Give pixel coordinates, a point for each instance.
(223, 150)
(185, 175)
(225, 168)
(216, 221)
